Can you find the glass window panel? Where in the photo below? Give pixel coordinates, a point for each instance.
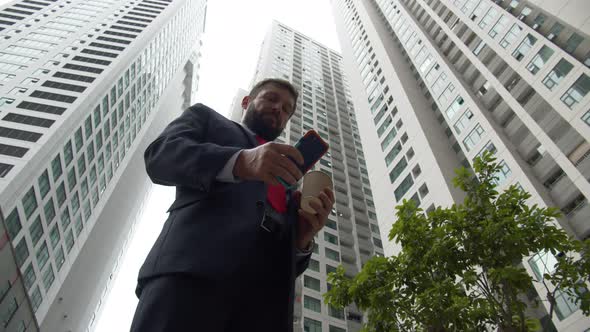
(36, 230)
(44, 184)
(540, 59)
(557, 74)
(577, 91)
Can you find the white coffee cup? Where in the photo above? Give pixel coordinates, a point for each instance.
(313, 184)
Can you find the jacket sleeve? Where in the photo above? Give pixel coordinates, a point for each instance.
(182, 155)
(301, 264)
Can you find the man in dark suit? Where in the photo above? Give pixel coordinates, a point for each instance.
(235, 239)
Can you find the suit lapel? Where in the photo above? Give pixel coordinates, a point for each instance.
(251, 137)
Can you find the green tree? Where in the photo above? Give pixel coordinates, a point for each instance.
(460, 268)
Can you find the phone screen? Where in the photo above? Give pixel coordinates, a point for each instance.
(312, 148)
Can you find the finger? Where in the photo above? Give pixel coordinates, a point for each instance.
(330, 194)
(271, 180)
(290, 151)
(327, 203)
(310, 219)
(282, 173)
(321, 211)
(290, 166)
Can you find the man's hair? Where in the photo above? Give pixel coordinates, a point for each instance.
(281, 83)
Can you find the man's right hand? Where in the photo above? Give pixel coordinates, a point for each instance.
(267, 162)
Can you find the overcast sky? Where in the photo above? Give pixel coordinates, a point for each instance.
(233, 35)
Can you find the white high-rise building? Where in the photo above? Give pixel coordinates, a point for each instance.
(437, 82)
(235, 110)
(85, 85)
(351, 235)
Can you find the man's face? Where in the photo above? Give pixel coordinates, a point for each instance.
(268, 113)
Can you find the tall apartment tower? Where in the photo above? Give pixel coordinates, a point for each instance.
(351, 235)
(437, 82)
(85, 85)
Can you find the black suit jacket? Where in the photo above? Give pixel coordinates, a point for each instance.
(213, 229)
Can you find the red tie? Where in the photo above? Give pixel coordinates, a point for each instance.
(275, 194)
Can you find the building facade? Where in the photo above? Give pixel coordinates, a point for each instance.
(351, 235)
(85, 85)
(438, 82)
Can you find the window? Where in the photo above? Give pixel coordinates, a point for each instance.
(59, 257)
(586, 118)
(332, 254)
(330, 238)
(380, 114)
(577, 91)
(36, 230)
(69, 240)
(331, 224)
(463, 121)
(388, 139)
(454, 107)
(72, 178)
(312, 303)
(565, 305)
(311, 283)
(403, 188)
(511, 35)
(474, 137)
(573, 42)
(487, 19)
(540, 59)
(29, 202)
(49, 210)
(54, 236)
(397, 170)
(13, 224)
(314, 265)
(499, 26)
(48, 277)
(44, 184)
(21, 252)
(377, 242)
(88, 126)
(557, 74)
(503, 173)
(477, 50)
(311, 325)
(36, 299)
(29, 276)
(68, 153)
(42, 255)
(397, 148)
(525, 46)
(78, 139)
(384, 125)
(56, 167)
(334, 328)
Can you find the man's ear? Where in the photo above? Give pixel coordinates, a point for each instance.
(245, 102)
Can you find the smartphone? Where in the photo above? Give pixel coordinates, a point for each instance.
(312, 147)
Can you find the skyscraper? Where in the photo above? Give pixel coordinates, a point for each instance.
(85, 86)
(351, 235)
(439, 81)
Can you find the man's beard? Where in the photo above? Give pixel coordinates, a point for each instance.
(259, 125)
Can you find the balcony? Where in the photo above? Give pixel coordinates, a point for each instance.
(350, 269)
(545, 168)
(363, 232)
(578, 219)
(345, 224)
(347, 255)
(563, 191)
(346, 238)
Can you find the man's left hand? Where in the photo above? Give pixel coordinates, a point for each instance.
(308, 224)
